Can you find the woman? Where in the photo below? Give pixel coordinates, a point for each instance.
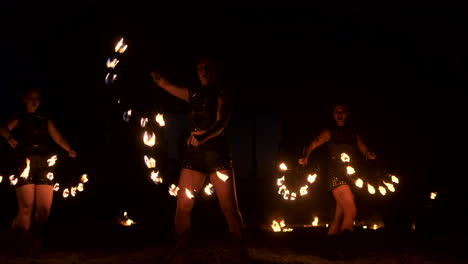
(29, 133)
(206, 152)
(340, 139)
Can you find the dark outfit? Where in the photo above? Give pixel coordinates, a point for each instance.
(34, 142)
(214, 154)
(343, 140)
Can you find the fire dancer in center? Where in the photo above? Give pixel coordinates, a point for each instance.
(341, 138)
(206, 153)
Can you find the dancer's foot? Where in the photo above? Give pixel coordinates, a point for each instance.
(331, 249)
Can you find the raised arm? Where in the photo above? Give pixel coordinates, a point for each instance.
(222, 119)
(176, 91)
(323, 137)
(364, 149)
(59, 139)
(5, 131)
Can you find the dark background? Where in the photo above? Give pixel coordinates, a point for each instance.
(400, 69)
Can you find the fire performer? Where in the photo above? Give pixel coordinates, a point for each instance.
(339, 139)
(29, 133)
(206, 152)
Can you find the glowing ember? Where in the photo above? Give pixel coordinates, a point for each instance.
(120, 47)
(311, 178)
(189, 194)
(390, 186)
(13, 180)
(84, 178)
(221, 176)
(150, 162)
(293, 196)
(110, 79)
(56, 187)
(25, 172)
(50, 176)
(209, 189)
(52, 160)
(395, 179)
(276, 226)
(315, 222)
(80, 187)
(433, 195)
(359, 183)
(283, 167)
(73, 191)
(111, 63)
(280, 181)
(350, 170)
(282, 189)
(286, 195)
(66, 192)
(160, 120)
(382, 190)
(345, 157)
(127, 115)
(143, 121)
(370, 188)
(173, 190)
(303, 190)
(156, 178)
(149, 140)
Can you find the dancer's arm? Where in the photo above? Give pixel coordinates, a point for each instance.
(323, 137)
(364, 149)
(59, 139)
(5, 132)
(179, 92)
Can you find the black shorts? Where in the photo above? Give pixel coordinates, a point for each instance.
(212, 156)
(38, 173)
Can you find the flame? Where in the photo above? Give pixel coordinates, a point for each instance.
(390, 186)
(66, 192)
(311, 178)
(276, 226)
(365, 227)
(110, 80)
(1, 178)
(287, 229)
(26, 170)
(173, 190)
(50, 176)
(52, 160)
(127, 115)
(13, 180)
(350, 170)
(282, 223)
(286, 195)
(282, 189)
(143, 121)
(156, 178)
(129, 222)
(73, 191)
(160, 120)
(395, 179)
(189, 194)
(326, 225)
(150, 162)
(111, 63)
(209, 189)
(433, 195)
(303, 190)
(345, 157)
(370, 188)
(80, 187)
(375, 226)
(120, 47)
(283, 167)
(56, 187)
(149, 140)
(382, 190)
(126, 221)
(280, 181)
(222, 177)
(125, 214)
(293, 196)
(359, 183)
(84, 178)
(315, 222)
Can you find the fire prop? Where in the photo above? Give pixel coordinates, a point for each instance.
(280, 226)
(283, 189)
(125, 220)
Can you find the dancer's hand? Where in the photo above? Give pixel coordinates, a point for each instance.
(156, 76)
(72, 153)
(194, 140)
(371, 155)
(13, 143)
(303, 161)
